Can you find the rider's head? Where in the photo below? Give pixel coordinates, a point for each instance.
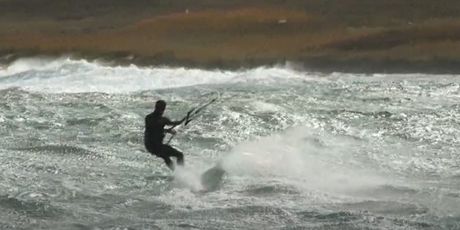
(160, 106)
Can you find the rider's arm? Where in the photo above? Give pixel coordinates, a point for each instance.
(172, 123)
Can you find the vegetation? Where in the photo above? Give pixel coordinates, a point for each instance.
(327, 35)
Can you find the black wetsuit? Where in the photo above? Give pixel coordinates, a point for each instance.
(153, 139)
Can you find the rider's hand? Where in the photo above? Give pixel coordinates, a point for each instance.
(172, 131)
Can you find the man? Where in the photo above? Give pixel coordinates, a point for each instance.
(155, 132)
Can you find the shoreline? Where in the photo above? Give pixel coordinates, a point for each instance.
(352, 36)
(320, 65)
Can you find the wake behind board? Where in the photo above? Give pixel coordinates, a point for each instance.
(212, 179)
(159, 178)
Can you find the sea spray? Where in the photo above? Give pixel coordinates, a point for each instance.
(188, 177)
(310, 159)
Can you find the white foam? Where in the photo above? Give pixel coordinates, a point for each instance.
(74, 76)
(31, 64)
(67, 75)
(188, 177)
(261, 106)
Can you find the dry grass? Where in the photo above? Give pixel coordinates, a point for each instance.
(300, 31)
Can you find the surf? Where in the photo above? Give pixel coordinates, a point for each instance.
(68, 75)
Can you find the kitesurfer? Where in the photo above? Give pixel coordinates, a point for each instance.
(155, 132)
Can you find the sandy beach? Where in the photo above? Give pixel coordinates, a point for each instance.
(335, 35)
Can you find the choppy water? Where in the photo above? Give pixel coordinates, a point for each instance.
(301, 150)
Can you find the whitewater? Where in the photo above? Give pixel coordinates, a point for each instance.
(301, 150)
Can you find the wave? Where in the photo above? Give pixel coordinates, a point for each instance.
(66, 75)
(58, 149)
(29, 207)
(270, 190)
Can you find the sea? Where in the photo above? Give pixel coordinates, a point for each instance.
(300, 149)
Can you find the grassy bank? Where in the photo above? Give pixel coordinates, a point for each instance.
(325, 35)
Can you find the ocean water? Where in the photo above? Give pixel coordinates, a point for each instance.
(301, 150)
